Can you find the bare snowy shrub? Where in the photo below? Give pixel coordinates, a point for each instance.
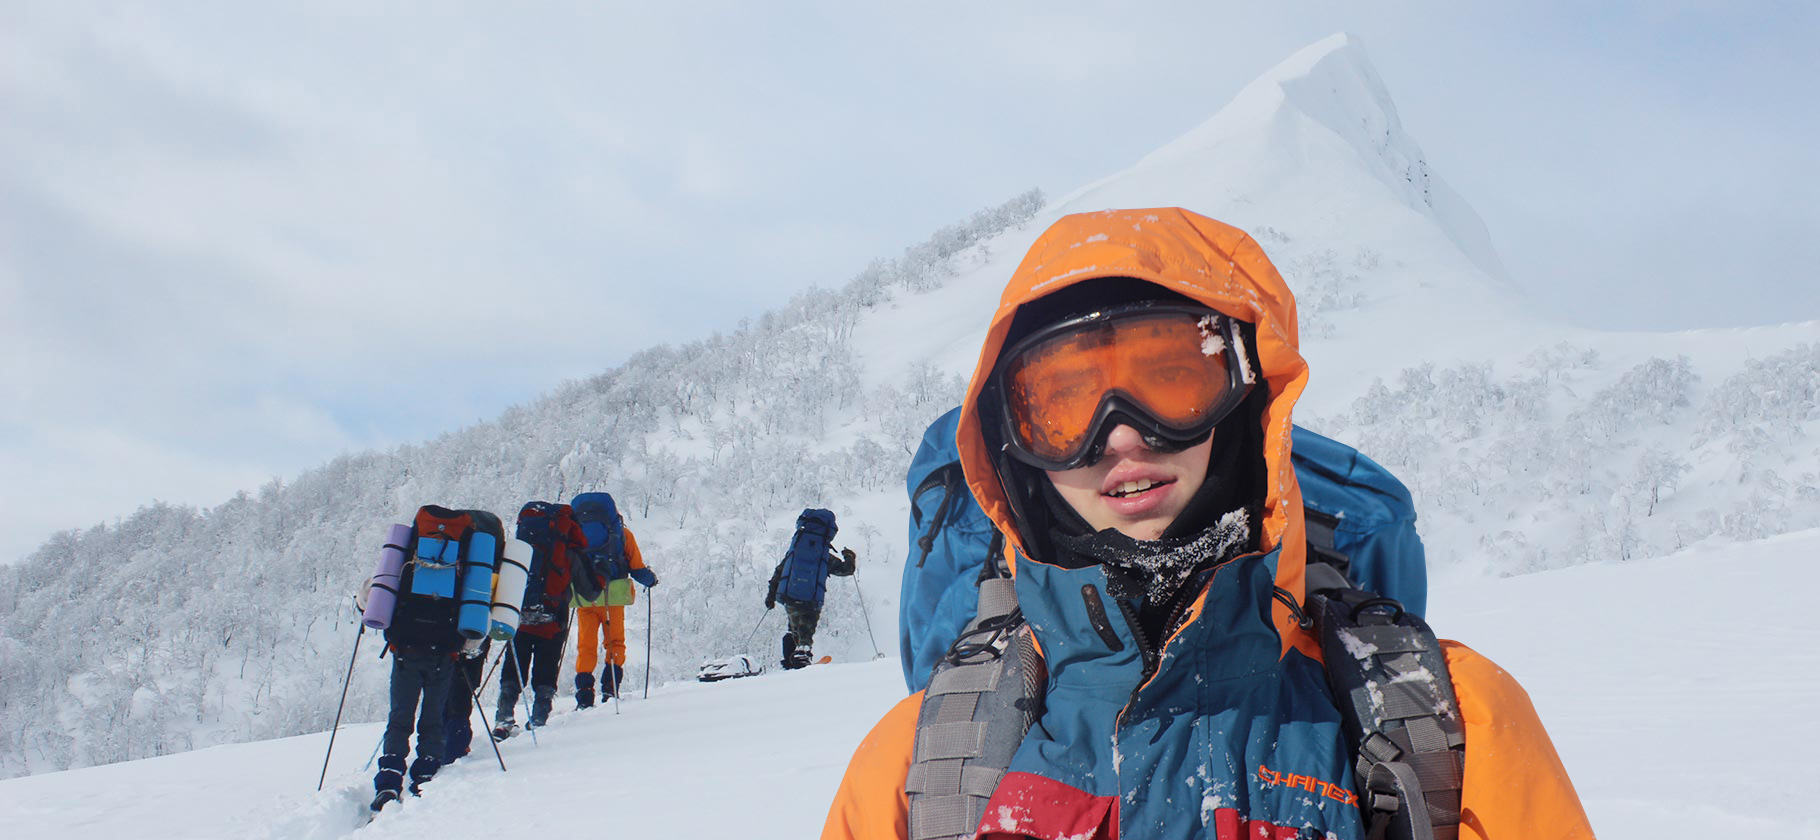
(1778, 394)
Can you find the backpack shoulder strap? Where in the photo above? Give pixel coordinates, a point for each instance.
(952, 482)
(1321, 528)
(1397, 705)
(981, 700)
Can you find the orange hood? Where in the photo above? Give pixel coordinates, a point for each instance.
(1211, 262)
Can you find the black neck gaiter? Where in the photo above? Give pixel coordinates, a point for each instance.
(1215, 526)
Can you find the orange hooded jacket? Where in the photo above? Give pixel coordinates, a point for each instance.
(1515, 786)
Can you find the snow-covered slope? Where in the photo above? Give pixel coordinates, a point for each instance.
(1675, 689)
(1529, 446)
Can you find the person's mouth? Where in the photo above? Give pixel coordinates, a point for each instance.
(1137, 487)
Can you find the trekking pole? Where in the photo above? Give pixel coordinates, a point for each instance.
(609, 660)
(647, 642)
(494, 668)
(339, 706)
(520, 673)
(876, 653)
(375, 754)
(761, 623)
(475, 693)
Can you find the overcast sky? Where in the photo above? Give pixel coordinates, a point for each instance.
(237, 239)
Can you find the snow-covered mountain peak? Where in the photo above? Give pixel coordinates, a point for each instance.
(1311, 157)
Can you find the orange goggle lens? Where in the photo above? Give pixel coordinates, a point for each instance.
(1176, 366)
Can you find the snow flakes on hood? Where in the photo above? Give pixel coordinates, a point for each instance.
(1063, 276)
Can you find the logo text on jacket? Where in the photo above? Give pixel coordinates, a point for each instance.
(1309, 783)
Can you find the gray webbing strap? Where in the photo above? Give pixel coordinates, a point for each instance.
(974, 716)
(998, 596)
(1397, 702)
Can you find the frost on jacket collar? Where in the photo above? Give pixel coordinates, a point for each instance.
(1210, 262)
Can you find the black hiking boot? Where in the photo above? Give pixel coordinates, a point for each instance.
(610, 678)
(422, 771)
(584, 691)
(540, 705)
(390, 776)
(789, 658)
(382, 799)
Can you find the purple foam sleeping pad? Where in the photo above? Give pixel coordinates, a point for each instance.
(383, 597)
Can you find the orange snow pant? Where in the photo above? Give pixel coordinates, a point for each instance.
(611, 624)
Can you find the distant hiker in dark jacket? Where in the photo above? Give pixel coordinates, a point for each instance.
(543, 630)
(800, 582)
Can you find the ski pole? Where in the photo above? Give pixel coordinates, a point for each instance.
(492, 669)
(609, 659)
(519, 673)
(761, 623)
(375, 754)
(647, 642)
(876, 653)
(339, 706)
(475, 693)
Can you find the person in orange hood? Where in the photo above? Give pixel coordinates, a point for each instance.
(1127, 429)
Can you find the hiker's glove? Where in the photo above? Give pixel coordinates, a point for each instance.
(849, 555)
(645, 576)
(771, 601)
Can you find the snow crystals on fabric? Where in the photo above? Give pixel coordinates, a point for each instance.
(1359, 648)
(1162, 565)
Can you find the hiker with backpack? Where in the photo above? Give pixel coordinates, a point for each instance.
(602, 589)
(1152, 667)
(536, 652)
(800, 581)
(432, 597)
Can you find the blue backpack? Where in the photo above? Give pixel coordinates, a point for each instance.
(1360, 520)
(804, 577)
(604, 559)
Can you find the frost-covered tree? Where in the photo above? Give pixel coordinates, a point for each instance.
(233, 623)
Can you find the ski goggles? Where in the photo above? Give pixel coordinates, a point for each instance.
(1170, 371)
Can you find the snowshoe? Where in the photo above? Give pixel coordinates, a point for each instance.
(729, 668)
(505, 730)
(382, 799)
